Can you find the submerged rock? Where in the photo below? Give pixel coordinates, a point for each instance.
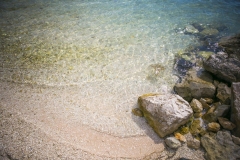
(231, 45)
(197, 84)
(190, 29)
(235, 108)
(182, 66)
(223, 67)
(220, 146)
(165, 113)
(209, 32)
(172, 142)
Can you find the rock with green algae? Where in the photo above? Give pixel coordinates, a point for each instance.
(165, 113)
(220, 146)
(197, 84)
(195, 127)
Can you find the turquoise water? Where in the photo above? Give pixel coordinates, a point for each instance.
(113, 50)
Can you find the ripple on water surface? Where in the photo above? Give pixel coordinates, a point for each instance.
(113, 50)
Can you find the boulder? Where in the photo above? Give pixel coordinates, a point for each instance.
(220, 146)
(235, 107)
(172, 142)
(223, 66)
(165, 113)
(226, 124)
(231, 45)
(196, 106)
(224, 93)
(197, 84)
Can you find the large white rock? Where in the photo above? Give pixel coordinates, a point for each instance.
(165, 112)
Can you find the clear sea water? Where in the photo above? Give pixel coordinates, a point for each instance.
(114, 50)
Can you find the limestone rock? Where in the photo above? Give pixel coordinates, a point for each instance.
(192, 142)
(197, 84)
(224, 67)
(214, 127)
(224, 93)
(235, 108)
(172, 142)
(236, 140)
(220, 146)
(226, 124)
(165, 113)
(196, 106)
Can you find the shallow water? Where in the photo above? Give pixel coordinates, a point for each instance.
(113, 50)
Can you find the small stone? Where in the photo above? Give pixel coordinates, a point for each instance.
(196, 106)
(208, 100)
(224, 93)
(193, 142)
(226, 124)
(197, 115)
(137, 112)
(204, 103)
(180, 137)
(172, 142)
(214, 127)
(236, 140)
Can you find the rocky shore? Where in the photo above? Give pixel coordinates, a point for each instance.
(203, 113)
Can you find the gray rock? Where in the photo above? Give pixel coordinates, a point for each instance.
(223, 67)
(220, 146)
(236, 140)
(224, 93)
(172, 142)
(196, 106)
(226, 124)
(235, 108)
(197, 84)
(165, 113)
